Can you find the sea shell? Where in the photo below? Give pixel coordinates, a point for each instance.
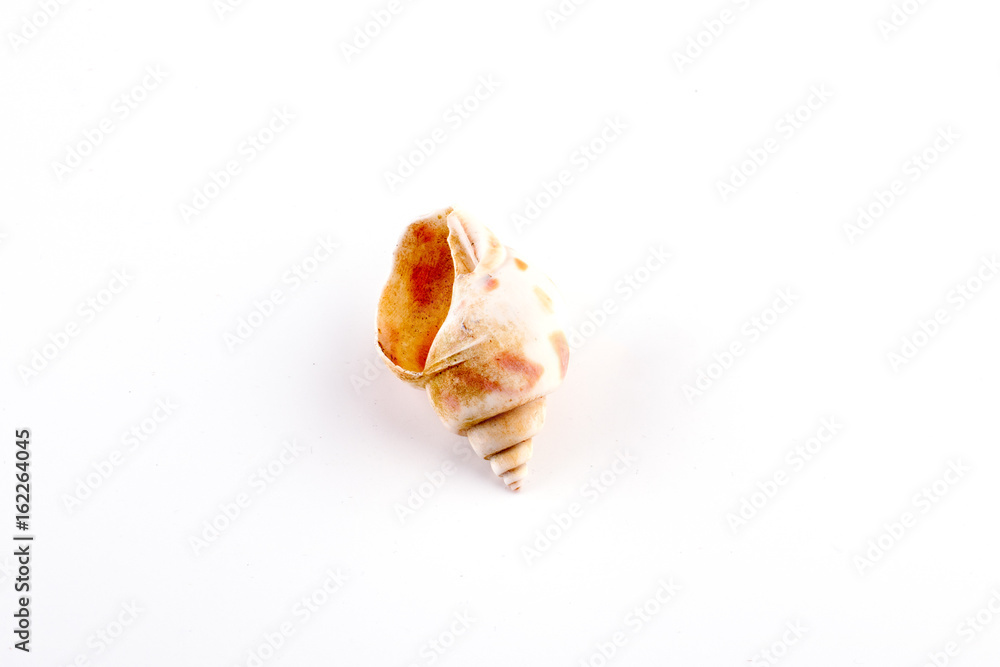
(464, 318)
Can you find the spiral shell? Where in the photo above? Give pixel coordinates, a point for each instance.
(478, 328)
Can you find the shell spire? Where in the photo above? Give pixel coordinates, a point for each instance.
(476, 327)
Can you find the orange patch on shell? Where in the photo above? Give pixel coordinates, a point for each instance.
(450, 401)
(475, 382)
(561, 346)
(520, 264)
(425, 280)
(491, 284)
(433, 273)
(515, 363)
(424, 233)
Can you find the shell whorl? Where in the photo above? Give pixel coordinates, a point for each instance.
(505, 440)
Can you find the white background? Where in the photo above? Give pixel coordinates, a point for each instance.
(105, 543)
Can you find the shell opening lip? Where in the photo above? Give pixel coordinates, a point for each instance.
(417, 297)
